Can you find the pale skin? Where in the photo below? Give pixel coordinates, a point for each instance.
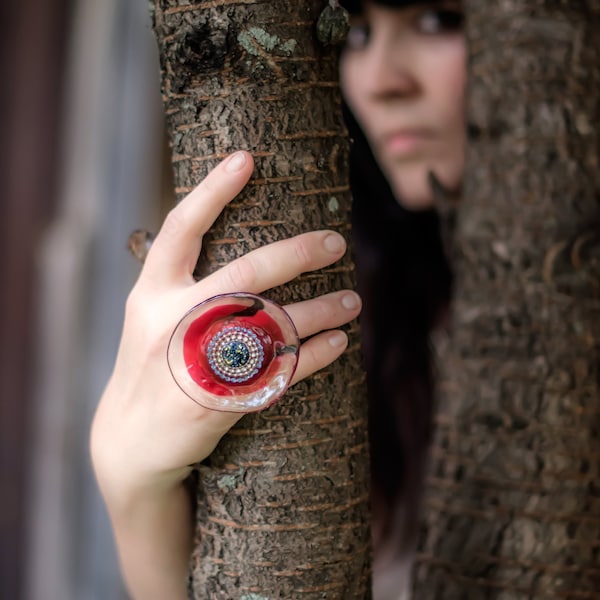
(146, 432)
(404, 82)
(403, 76)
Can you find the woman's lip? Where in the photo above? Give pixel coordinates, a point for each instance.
(405, 141)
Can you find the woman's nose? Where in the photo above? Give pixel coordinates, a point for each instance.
(389, 72)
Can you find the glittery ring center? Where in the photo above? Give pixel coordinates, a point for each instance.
(235, 354)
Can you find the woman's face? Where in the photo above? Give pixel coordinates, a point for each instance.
(403, 76)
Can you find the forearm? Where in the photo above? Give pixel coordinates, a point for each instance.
(154, 539)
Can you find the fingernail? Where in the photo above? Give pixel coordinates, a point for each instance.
(235, 162)
(338, 339)
(351, 301)
(334, 242)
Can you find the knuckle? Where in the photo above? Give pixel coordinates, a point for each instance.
(325, 308)
(173, 224)
(303, 252)
(313, 357)
(208, 186)
(320, 311)
(241, 274)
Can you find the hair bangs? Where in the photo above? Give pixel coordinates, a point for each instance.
(356, 6)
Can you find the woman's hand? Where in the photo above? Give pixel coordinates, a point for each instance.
(147, 433)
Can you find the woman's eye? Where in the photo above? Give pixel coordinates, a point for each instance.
(440, 21)
(358, 36)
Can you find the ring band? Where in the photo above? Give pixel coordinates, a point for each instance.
(234, 352)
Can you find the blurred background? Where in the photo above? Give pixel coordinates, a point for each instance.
(83, 164)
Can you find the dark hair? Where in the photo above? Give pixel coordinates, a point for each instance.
(355, 6)
(405, 283)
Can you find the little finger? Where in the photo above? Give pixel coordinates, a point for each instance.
(318, 352)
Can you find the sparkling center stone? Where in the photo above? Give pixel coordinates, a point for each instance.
(235, 354)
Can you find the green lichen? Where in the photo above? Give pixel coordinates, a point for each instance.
(177, 139)
(227, 482)
(255, 38)
(266, 40)
(253, 597)
(332, 204)
(288, 47)
(230, 482)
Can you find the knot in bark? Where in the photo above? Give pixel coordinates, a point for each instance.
(204, 48)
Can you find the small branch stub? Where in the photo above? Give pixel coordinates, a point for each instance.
(333, 24)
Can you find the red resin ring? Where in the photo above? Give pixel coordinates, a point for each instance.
(234, 352)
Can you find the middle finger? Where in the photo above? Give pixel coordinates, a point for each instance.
(275, 264)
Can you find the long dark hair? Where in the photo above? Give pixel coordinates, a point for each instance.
(405, 283)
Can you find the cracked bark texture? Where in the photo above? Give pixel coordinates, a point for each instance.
(512, 502)
(283, 500)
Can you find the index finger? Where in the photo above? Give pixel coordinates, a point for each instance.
(173, 254)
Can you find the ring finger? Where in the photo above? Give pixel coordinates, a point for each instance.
(325, 312)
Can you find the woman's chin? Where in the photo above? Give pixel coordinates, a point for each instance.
(414, 188)
(416, 195)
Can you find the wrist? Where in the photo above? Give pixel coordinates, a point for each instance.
(127, 472)
(154, 533)
(123, 494)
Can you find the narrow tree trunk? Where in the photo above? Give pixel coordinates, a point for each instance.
(512, 508)
(282, 504)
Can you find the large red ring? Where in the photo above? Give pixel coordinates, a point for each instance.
(234, 352)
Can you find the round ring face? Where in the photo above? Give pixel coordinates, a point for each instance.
(234, 352)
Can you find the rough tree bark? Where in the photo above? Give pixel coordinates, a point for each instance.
(282, 503)
(512, 507)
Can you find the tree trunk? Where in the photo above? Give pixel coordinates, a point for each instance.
(282, 502)
(512, 507)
